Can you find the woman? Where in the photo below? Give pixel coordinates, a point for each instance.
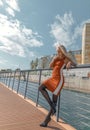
(56, 81)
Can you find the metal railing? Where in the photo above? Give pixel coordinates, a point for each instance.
(26, 82)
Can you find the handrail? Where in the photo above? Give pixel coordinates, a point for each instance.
(8, 75)
(30, 70)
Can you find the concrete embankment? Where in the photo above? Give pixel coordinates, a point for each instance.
(81, 84)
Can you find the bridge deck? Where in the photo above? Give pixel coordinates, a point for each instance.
(19, 114)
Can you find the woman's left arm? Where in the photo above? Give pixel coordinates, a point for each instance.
(69, 63)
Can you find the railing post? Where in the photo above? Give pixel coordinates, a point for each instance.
(26, 85)
(9, 79)
(0, 76)
(38, 88)
(19, 82)
(6, 78)
(13, 80)
(58, 108)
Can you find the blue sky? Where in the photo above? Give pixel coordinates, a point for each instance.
(32, 28)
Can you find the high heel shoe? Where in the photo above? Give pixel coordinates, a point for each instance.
(45, 123)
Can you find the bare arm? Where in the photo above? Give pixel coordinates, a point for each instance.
(72, 59)
(69, 63)
(52, 63)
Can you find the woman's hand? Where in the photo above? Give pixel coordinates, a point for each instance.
(52, 63)
(69, 64)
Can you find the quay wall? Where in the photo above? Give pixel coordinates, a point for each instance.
(81, 84)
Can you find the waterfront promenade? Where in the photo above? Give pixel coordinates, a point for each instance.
(17, 113)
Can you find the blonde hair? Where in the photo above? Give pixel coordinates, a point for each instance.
(61, 47)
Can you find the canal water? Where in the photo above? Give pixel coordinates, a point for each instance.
(74, 106)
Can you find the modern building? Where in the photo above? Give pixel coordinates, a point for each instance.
(86, 44)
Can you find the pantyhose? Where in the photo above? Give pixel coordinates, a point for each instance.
(52, 104)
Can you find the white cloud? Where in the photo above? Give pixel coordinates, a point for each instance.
(61, 29)
(15, 38)
(10, 6)
(11, 47)
(13, 4)
(1, 3)
(10, 11)
(78, 30)
(64, 30)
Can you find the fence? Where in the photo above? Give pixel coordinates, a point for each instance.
(26, 82)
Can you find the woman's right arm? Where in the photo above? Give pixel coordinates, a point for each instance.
(52, 63)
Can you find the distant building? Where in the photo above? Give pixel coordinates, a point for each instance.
(86, 44)
(5, 70)
(78, 56)
(44, 62)
(81, 56)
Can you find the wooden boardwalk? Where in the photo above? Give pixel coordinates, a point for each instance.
(17, 113)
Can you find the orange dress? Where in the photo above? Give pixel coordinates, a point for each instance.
(56, 81)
